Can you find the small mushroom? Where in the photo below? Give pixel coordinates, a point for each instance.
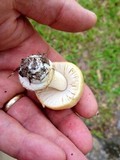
(57, 85)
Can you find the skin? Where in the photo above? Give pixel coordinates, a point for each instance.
(26, 132)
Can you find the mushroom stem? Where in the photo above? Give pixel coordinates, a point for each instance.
(58, 81)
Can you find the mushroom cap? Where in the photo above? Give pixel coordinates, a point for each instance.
(58, 100)
(36, 72)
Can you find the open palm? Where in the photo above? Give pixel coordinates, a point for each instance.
(28, 133)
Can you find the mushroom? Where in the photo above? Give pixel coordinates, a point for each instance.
(57, 85)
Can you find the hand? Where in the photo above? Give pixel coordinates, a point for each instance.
(26, 132)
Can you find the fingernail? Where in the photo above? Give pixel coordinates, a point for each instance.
(97, 114)
(93, 16)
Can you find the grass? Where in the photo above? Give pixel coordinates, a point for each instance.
(97, 52)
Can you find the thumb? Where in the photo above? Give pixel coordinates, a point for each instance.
(62, 15)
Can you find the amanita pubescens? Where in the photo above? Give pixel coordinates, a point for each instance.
(57, 85)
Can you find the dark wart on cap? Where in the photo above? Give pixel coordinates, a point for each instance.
(34, 67)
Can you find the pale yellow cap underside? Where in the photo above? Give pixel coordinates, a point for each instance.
(58, 100)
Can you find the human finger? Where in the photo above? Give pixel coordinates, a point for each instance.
(32, 119)
(73, 127)
(61, 15)
(19, 143)
(87, 106)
